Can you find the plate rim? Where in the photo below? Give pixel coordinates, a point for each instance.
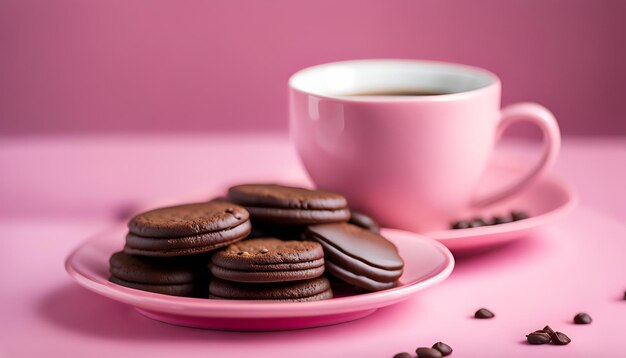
(201, 307)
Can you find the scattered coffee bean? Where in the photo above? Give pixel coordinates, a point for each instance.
(538, 337)
(402, 355)
(625, 295)
(425, 352)
(477, 222)
(443, 348)
(461, 224)
(497, 220)
(548, 330)
(519, 215)
(582, 318)
(484, 313)
(560, 339)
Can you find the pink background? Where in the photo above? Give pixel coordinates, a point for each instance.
(61, 191)
(130, 65)
(94, 66)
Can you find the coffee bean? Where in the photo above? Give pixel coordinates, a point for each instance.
(548, 330)
(538, 337)
(497, 220)
(519, 215)
(425, 352)
(461, 224)
(582, 318)
(560, 339)
(625, 295)
(445, 349)
(477, 222)
(402, 355)
(484, 313)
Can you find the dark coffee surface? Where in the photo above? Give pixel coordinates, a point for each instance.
(400, 92)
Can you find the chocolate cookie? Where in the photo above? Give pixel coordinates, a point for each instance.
(358, 256)
(169, 277)
(277, 204)
(187, 229)
(364, 221)
(314, 289)
(269, 260)
(277, 231)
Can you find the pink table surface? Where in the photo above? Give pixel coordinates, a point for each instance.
(55, 192)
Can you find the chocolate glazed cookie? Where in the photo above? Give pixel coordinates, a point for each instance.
(269, 260)
(365, 221)
(277, 204)
(358, 256)
(187, 229)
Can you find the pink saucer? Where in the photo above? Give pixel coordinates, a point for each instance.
(545, 200)
(427, 262)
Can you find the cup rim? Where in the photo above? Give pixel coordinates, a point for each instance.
(495, 81)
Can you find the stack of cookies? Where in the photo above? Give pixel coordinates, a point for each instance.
(270, 269)
(264, 242)
(164, 243)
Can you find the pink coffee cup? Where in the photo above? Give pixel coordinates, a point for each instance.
(412, 162)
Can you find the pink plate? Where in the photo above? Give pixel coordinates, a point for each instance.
(545, 200)
(427, 262)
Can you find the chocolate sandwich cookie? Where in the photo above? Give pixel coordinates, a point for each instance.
(315, 289)
(277, 204)
(169, 277)
(269, 260)
(187, 229)
(358, 256)
(276, 231)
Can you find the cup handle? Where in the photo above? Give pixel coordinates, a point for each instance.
(544, 119)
